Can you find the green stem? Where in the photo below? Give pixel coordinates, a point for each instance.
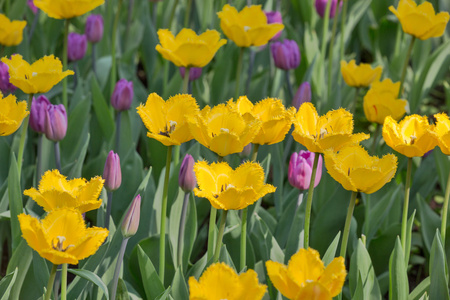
(355, 100)
(309, 200)
(238, 73)
(66, 34)
(445, 211)
(375, 137)
(326, 22)
(289, 85)
(162, 236)
(348, 221)
(39, 159)
(23, 136)
(119, 262)
(118, 121)
(64, 282)
(108, 209)
(172, 14)
(186, 80)
(255, 152)
(57, 156)
(7, 7)
(113, 48)
(181, 230)
(405, 204)
(405, 66)
(51, 280)
(187, 13)
(220, 236)
(212, 225)
(330, 48)
(342, 46)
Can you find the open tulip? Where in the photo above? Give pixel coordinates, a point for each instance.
(442, 130)
(357, 171)
(421, 20)
(333, 130)
(62, 237)
(67, 9)
(55, 191)
(248, 27)
(361, 75)
(188, 49)
(229, 189)
(166, 120)
(220, 281)
(223, 130)
(38, 77)
(12, 114)
(381, 101)
(306, 277)
(11, 32)
(413, 136)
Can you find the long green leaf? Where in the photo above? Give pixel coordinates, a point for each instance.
(15, 201)
(398, 278)
(152, 284)
(7, 283)
(21, 259)
(438, 270)
(92, 277)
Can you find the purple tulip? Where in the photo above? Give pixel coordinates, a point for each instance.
(5, 85)
(123, 95)
(94, 28)
(76, 46)
(300, 169)
(274, 17)
(186, 179)
(194, 73)
(302, 95)
(130, 223)
(38, 113)
(55, 122)
(33, 7)
(285, 54)
(112, 173)
(321, 6)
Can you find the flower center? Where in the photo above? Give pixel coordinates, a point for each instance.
(246, 28)
(169, 129)
(59, 244)
(223, 188)
(413, 139)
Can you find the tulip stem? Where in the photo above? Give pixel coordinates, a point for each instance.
(445, 211)
(39, 159)
(94, 69)
(330, 48)
(187, 13)
(212, 225)
(127, 29)
(250, 70)
(187, 71)
(255, 152)
(162, 236)
(405, 66)
(64, 282)
(118, 267)
(355, 100)
(348, 221)
(326, 21)
(289, 85)
(51, 280)
(64, 81)
(238, 73)
(405, 204)
(108, 209)
(33, 26)
(182, 229)
(118, 121)
(342, 45)
(23, 136)
(375, 137)
(223, 221)
(113, 47)
(57, 156)
(309, 200)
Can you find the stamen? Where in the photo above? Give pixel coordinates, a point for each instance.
(413, 139)
(323, 132)
(59, 244)
(224, 130)
(246, 28)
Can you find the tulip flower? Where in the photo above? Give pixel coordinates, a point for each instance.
(194, 73)
(361, 75)
(55, 122)
(64, 9)
(285, 54)
(321, 6)
(12, 113)
(111, 172)
(300, 169)
(274, 17)
(130, 223)
(33, 7)
(122, 96)
(77, 46)
(302, 95)
(11, 32)
(5, 84)
(306, 277)
(94, 28)
(186, 179)
(38, 113)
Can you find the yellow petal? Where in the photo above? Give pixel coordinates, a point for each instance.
(305, 266)
(63, 9)
(12, 114)
(333, 277)
(279, 277)
(313, 291)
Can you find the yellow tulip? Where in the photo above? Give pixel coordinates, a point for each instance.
(166, 120)
(188, 49)
(55, 191)
(442, 129)
(38, 77)
(275, 119)
(220, 281)
(357, 171)
(413, 136)
(223, 130)
(67, 9)
(229, 189)
(248, 27)
(62, 237)
(381, 101)
(333, 130)
(11, 32)
(305, 276)
(420, 20)
(12, 114)
(361, 75)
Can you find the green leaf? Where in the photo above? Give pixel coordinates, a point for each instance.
(21, 259)
(409, 226)
(331, 251)
(398, 278)
(15, 201)
(7, 283)
(438, 270)
(122, 292)
(429, 220)
(179, 288)
(73, 170)
(102, 111)
(92, 277)
(152, 284)
(420, 290)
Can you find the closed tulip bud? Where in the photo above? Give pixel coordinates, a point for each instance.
(194, 73)
(5, 85)
(300, 169)
(130, 223)
(186, 179)
(112, 173)
(55, 122)
(94, 28)
(302, 95)
(123, 95)
(321, 6)
(274, 17)
(38, 113)
(285, 54)
(33, 7)
(76, 46)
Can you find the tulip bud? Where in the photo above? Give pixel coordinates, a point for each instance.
(38, 113)
(274, 17)
(5, 85)
(194, 73)
(130, 223)
(123, 95)
(321, 6)
(302, 95)
(94, 28)
(186, 179)
(76, 46)
(33, 7)
(300, 169)
(112, 173)
(55, 122)
(285, 54)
